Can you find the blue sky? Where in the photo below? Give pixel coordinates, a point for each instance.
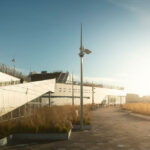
(45, 35)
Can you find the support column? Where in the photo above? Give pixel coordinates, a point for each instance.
(92, 93)
(49, 99)
(72, 91)
(40, 100)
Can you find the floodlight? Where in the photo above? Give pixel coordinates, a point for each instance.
(87, 51)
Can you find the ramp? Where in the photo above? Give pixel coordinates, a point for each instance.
(14, 96)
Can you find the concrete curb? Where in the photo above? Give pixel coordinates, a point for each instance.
(41, 136)
(85, 127)
(4, 141)
(140, 116)
(35, 137)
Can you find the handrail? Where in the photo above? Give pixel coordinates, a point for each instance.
(10, 71)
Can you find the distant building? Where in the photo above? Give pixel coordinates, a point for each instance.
(64, 94)
(59, 76)
(135, 98)
(132, 98)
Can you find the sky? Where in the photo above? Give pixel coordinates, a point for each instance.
(45, 35)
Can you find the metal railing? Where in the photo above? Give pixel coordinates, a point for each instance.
(11, 71)
(6, 83)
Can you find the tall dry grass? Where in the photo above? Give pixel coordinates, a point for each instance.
(46, 120)
(141, 108)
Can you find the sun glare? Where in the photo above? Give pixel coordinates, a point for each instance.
(138, 79)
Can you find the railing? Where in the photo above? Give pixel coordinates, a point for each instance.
(20, 112)
(11, 71)
(12, 97)
(6, 83)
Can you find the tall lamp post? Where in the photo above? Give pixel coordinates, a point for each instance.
(93, 93)
(14, 62)
(81, 54)
(72, 91)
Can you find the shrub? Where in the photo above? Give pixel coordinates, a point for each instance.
(141, 108)
(46, 120)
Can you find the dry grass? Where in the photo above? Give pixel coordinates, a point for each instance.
(141, 108)
(47, 120)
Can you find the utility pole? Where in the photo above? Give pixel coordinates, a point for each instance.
(14, 62)
(93, 93)
(49, 93)
(81, 81)
(81, 54)
(72, 90)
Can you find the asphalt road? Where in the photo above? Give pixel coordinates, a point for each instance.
(112, 129)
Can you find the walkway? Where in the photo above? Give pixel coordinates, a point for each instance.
(113, 129)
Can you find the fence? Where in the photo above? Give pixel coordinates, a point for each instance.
(6, 83)
(12, 71)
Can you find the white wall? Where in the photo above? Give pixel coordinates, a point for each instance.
(7, 78)
(63, 95)
(104, 94)
(14, 96)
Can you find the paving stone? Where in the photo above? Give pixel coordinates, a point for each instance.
(111, 130)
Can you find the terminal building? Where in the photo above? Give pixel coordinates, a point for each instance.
(49, 89)
(68, 91)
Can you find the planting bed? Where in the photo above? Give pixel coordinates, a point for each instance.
(46, 123)
(41, 136)
(139, 108)
(30, 137)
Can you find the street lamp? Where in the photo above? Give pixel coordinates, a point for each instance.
(14, 62)
(81, 54)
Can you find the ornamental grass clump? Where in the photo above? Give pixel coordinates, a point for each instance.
(141, 108)
(91, 107)
(6, 128)
(86, 115)
(45, 120)
(56, 119)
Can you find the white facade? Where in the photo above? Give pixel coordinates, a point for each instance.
(7, 78)
(63, 95)
(14, 96)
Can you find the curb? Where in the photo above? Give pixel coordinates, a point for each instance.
(35, 137)
(140, 116)
(4, 141)
(85, 127)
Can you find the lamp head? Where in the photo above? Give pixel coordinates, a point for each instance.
(87, 51)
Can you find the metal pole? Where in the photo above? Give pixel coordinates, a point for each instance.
(14, 61)
(120, 100)
(49, 99)
(40, 98)
(11, 114)
(92, 93)
(81, 93)
(72, 91)
(81, 81)
(19, 112)
(81, 54)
